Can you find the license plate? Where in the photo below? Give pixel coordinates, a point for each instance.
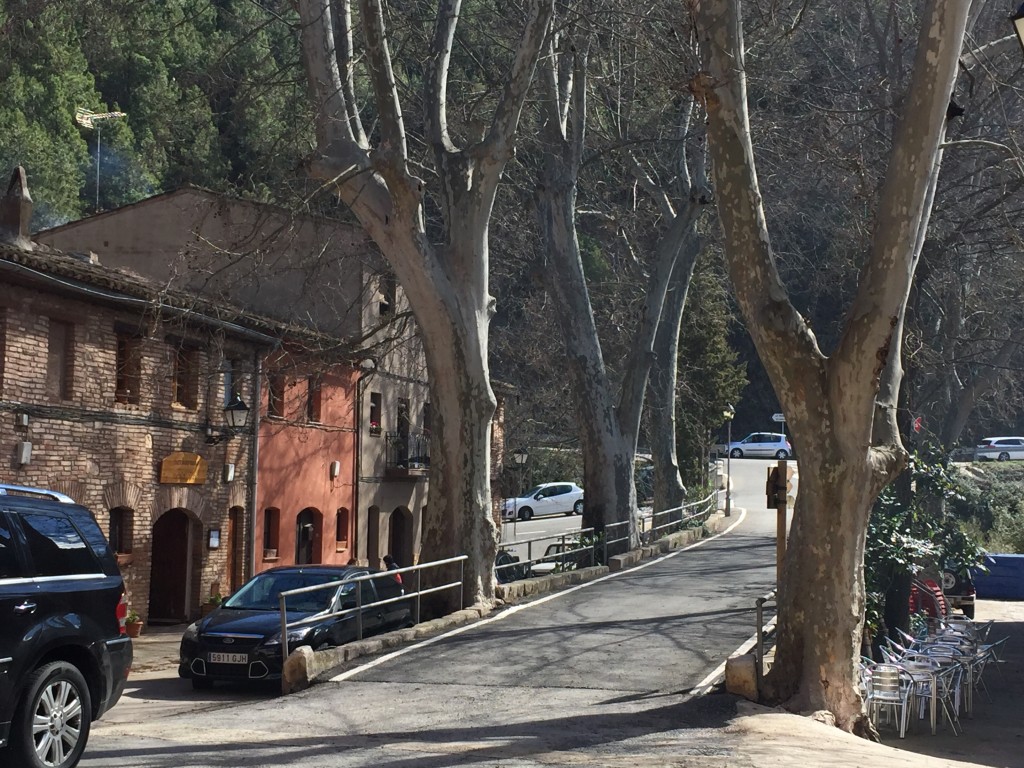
(229, 658)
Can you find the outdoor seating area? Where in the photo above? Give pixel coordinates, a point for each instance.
(937, 673)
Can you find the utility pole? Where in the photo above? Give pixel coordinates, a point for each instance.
(89, 119)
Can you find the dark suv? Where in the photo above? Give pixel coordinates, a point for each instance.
(64, 654)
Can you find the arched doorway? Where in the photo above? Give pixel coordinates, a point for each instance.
(169, 577)
(400, 536)
(308, 536)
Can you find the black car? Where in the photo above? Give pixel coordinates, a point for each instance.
(241, 640)
(64, 654)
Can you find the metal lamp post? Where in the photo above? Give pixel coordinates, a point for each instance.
(728, 413)
(519, 456)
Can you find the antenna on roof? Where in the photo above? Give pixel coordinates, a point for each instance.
(89, 119)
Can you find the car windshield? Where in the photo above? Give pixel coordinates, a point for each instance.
(531, 493)
(264, 591)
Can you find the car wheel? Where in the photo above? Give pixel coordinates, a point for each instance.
(201, 683)
(577, 508)
(782, 454)
(525, 513)
(51, 728)
(1004, 456)
(736, 453)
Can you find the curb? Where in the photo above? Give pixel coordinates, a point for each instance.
(305, 667)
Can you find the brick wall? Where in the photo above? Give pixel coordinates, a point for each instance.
(107, 454)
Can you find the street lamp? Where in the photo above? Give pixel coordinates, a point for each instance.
(236, 413)
(1018, 24)
(728, 414)
(519, 456)
(236, 416)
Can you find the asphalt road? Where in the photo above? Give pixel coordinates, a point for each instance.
(595, 675)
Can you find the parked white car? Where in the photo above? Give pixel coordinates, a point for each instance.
(1000, 449)
(763, 445)
(545, 499)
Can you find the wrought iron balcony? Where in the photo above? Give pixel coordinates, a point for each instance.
(407, 455)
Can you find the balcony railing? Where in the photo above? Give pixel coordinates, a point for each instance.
(407, 455)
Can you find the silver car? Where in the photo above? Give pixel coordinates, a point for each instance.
(545, 499)
(1000, 449)
(762, 444)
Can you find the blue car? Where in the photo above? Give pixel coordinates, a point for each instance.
(241, 640)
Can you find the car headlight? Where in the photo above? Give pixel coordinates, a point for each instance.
(296, 636)
(192, 632)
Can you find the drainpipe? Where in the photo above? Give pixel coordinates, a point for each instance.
(254, 457)
(367, 366)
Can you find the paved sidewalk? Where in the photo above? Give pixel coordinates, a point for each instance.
(156, 649)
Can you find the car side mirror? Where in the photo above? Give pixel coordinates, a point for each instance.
(538, 497)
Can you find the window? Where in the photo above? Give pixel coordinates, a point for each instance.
(8, 557)
(271, 529)
(313, 399)
(121, 530)
(428, 420)
(59, 357)
(375, 410)
(275, 395)
(341, 527)
(388, 289)
(185, 377)
(128, 374)
(56, 547)
(232, 379)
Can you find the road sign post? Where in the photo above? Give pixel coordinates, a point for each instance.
(778, 488)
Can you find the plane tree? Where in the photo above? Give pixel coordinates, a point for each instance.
(429, 215)
(841, 407)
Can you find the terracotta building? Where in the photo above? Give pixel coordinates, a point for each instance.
(113, 389)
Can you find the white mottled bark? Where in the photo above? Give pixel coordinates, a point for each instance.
(829, 402)
(447, 285)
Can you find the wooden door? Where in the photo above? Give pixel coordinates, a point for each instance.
(169, 575)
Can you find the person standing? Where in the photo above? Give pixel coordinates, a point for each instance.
(391, 565)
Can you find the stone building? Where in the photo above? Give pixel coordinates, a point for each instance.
(344, 407)
(113, 390)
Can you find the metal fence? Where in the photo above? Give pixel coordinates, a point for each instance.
(415, 595)
(575, 549)
(762, 630)
(587, 547)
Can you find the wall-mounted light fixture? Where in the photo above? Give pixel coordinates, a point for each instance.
(335, 469)
(236, 416)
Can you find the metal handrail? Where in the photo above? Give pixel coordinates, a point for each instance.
(573, 537)
(617, 533)
(759, 641)
(358, 609)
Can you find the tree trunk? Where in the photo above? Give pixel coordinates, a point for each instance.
(669, 492)
(848, 451)
(446, 285)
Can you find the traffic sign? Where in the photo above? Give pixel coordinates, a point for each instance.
(779, 417)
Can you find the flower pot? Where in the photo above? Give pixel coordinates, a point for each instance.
(133, 628)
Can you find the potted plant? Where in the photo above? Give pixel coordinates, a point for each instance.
(133, 623)
(212, 602)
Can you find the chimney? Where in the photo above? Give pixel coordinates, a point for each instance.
(16, 211)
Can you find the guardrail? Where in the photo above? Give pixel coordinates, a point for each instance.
(759, 605)
(568, 546)
(359, 606)
(615, 534)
